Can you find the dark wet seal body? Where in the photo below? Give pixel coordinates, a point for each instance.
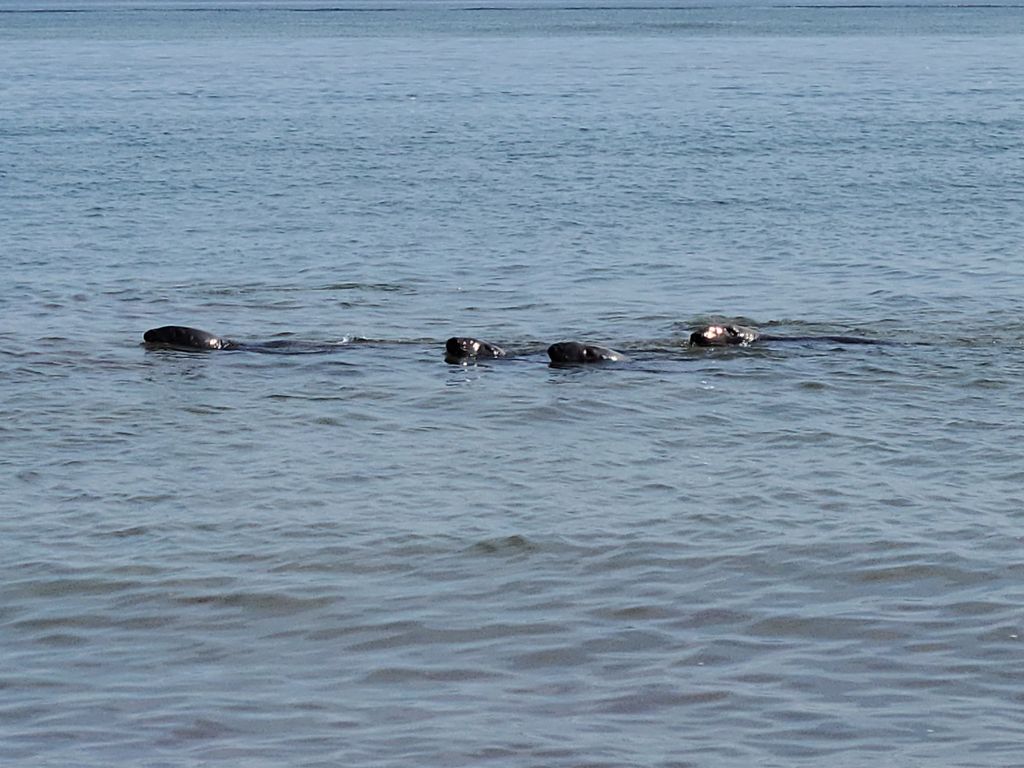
(183, 337)
(459, 349)
(570, 352)
(741, 335)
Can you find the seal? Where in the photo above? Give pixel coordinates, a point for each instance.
(566, 352)
(183, 337)
(723, 336)
(459, 349)
(741, 335)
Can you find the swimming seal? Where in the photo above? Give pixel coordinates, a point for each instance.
(183, 337)
(741, 335)
(564, 352)
(461, 348)
(723, 336)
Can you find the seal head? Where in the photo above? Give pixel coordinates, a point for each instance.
(183, 337)
(573, 352)
(461, 348)
(723, 336)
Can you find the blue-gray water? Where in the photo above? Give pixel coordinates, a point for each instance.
(802, 554)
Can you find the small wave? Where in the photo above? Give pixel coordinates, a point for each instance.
(505, 545)
(261, 602)
(419, 674)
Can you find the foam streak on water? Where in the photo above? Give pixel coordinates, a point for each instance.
(791, 554)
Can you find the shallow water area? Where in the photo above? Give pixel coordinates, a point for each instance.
(330, 547)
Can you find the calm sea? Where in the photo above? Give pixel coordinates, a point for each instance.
(798, 554)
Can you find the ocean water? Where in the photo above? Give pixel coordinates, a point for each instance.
(342, 551)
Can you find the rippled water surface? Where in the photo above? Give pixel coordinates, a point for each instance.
(339, 550)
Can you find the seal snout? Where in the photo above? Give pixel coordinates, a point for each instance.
(459, 348)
